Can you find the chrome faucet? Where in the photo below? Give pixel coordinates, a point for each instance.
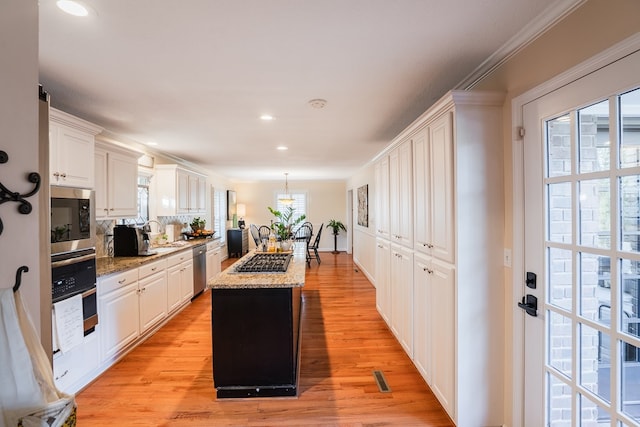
(147, 228)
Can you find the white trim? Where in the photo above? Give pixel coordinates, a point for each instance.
(530, 32)
(606, 57)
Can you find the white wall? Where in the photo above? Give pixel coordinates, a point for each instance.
(325, 200)
(364, 237)
(21, 239)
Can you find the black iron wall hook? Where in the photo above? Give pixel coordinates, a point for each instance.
(21, 270)
(10, 196)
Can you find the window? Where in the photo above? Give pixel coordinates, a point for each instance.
(299, 204)
(143, 199)
(219, 198)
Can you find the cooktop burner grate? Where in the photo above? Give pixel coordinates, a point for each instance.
(265, 263)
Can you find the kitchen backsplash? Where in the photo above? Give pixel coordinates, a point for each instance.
(104, 231)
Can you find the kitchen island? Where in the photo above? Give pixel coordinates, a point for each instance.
(255, 319)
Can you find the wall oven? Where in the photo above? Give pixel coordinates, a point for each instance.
(74, 273)
(72, 211)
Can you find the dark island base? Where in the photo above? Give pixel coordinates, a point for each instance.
(255, 335)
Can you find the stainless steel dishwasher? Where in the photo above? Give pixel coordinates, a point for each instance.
(199, 269)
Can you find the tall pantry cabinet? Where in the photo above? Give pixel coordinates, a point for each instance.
(441, 290)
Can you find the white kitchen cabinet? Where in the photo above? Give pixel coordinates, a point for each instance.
(180, 191)
(433, 181)
(71, 143)
(152, 291)
(118, 312)
(401, 194)
(381, 172)
(72, 369)
(179, 279)
(434, 339)
(214, 260)
(116, 174)
(383, 278)
(458, 236)
(401, 284)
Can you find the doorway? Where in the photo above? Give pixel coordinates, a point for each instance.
(581, 239)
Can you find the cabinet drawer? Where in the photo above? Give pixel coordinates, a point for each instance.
(115, 281)
(178, 258)
(151, 268)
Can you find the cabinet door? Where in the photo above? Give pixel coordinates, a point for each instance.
(422, 272)
(402, 296)
(123, 185)
(443, 332)
(73, 370)
(101, 181)
(383, 274)
(382, 197)
(441, 212)
(183, 192)
(119, 320)
(193, 193)
(401, 194)
(422, 191)
(201, 205)
(153, 300)
(186, 281)
(174, 275)
(213, 263)
(73, 148)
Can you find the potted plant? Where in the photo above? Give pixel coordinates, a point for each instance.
(283, 227)
(336, 226)
(197, 224)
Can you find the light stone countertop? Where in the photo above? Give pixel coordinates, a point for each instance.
(110, 265)
(292, 278)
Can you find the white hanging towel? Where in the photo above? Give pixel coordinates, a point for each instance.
(28, 395)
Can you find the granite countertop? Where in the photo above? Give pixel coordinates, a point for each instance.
(292, 278)
(110, 265)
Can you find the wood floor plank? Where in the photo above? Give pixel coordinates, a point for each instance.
(168, 380)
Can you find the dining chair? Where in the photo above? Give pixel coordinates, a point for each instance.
(263, 232)
(255, 234)
(316, 243)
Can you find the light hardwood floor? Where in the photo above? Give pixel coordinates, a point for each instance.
(168, 380)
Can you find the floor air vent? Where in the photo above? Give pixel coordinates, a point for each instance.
(381, 381)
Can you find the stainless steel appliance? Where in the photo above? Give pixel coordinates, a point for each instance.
(130, 241)
(199, 269)
(74, 273)
(72, 227)
(265, 263)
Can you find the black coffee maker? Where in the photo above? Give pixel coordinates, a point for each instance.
(130, 241)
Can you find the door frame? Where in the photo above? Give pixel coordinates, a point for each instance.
(606, 57)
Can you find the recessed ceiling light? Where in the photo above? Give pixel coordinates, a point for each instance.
(266, 117)
(282, 148)
(152, 143)
(73, 7)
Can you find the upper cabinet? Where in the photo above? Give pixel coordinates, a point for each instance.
(400, 194)
(116, 175)
(433, 180)
(382, 197)
(71, 143)
(180, 191)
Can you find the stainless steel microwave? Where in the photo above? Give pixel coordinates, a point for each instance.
(72, 219)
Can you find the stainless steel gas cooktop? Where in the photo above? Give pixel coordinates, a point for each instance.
(265, 263)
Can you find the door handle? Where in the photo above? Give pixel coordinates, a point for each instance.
(529, 304)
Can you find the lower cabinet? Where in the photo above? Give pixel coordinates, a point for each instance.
(383, 277)
(118, 312)
(70, 369)
(152, 289)
(401, 284)
(434, 327)
(179, 280)
(214, 260)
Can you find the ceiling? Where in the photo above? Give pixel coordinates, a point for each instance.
(195, 76)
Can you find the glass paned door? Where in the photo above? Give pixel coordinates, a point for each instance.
(582, 239)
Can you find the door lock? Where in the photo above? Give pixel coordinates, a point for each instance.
(529, 304)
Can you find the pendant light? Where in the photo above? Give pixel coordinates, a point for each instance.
(286, 199)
